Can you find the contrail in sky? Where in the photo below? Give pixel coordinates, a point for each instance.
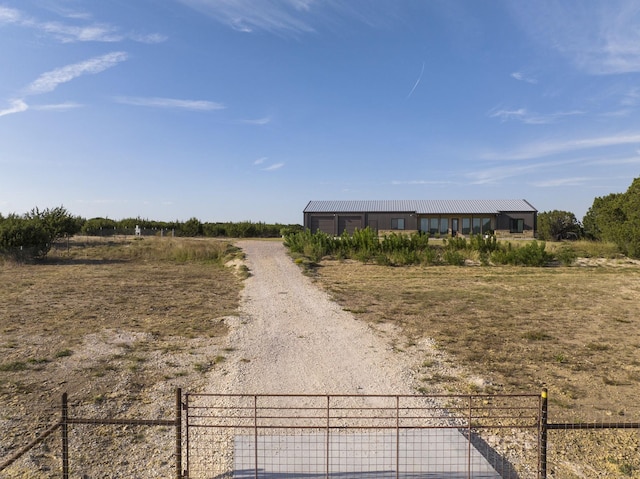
(417, 82)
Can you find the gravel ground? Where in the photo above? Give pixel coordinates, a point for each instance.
(292, 338)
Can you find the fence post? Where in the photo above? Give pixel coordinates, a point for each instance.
(544, 417)
(179, 433)
(64, 425)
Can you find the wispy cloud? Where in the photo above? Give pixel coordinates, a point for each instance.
(58, 106)
(522, 77)
(573, 181)
(597, 37)
(543, 149)
(16, 106)
(497, 174)
(522, 115)
(49, 81)
(91, 33)
(258, 121)
(248, 15)
(275, 166)
(171, 103)
(421, 182)
(68, 33)
(631, 97)
(634, 160)
(505, 115)
(9, 15)
(287, 17)
(272, 167)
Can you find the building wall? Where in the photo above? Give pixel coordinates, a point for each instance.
(336, 223)
(512, 224)
(392, 221)
(517, 224)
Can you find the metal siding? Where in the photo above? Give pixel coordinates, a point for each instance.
(384, 220)
(322, 223)
(349, 224)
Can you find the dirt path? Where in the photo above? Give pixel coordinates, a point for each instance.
(292, 338)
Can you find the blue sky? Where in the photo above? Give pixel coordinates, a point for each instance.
(232, 110)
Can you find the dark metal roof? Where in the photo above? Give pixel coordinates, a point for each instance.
(420, 206)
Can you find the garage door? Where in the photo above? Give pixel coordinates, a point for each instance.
(322, 223)
(349, 224)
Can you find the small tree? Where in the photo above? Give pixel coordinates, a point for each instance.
(191, 227)
(556, 225)
(32, 235)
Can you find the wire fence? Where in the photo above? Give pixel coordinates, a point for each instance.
(363, 436)
(89, 447)
(327, 436)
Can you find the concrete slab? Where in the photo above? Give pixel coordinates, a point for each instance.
(414, 453)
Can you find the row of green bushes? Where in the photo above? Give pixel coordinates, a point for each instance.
(190, 228)
(401, 249)
(31, 236)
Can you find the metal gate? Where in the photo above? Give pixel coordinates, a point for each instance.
(358, 436)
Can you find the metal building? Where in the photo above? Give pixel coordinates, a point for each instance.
(504, 218)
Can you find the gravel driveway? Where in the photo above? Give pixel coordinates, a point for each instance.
(292, 338)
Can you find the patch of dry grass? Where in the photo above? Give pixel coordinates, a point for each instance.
(573, 330)
(163, 287)
(153, 285)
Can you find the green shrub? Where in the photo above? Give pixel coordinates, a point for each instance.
(405, 257)
(453, 258)
(531, 254)
(566, 255)
(382, 259)
(456, 244)
(484, 245)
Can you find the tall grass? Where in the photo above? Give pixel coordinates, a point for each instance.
(414, 249)
(180, 250)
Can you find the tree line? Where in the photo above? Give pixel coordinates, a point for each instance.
(31, 236)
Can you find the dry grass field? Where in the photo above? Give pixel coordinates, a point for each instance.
(572, 329)
(105, 320)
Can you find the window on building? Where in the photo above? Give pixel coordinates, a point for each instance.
(397, 223)
(433, 226)
(444, 226)
(486, 225)
(477, 226)
(517, 225)
(466, 226)
(424, 225)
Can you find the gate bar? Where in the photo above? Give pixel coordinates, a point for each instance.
(178, 425)
(64, 424)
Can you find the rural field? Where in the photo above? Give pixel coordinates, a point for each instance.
(118, 324)
(573, 330)
(115, 323)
